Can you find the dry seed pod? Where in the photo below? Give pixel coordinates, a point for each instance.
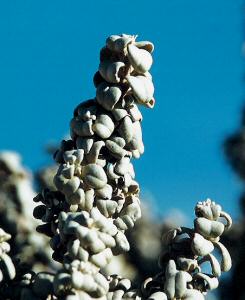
(119, 140)
(82, 128)
(136, 141)
(103, 285)
(135, 113)
(88, 201)
(105, 225)
(209, 229)
(111, 71)
(71, 186)
(208, 209)
(103, 126)
(200, 246)
(84, 144)
(74, 156)
(115, 149)
(108, 240)
(93, 155)
(4, 236)
(102, 259)
(182, 278)
(75, 251)
(95, 244)
(169, 285)
(142, 88)
(176, 281)
(228, 219)
(118, 43)
(136, 153)
(67, 186)
(140, 59)
(83, 282)
(68, 171)
(94, 176)
(119, 113)
(125, 129)
(210, 283)
(77, 197)
(7, 267)
(107, 207)
(124, 166)
(111, 173)
(226, 262)
(64, 146)
(145, 45)
(108, 96)
(148, 75)
(151, 103)
(132, 210)
(216, 269)
(187, 264)
(124, 223)
(118, 287)
(105, 192)
(122, 244)
(69, 157)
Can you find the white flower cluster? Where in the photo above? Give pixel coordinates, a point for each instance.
(97, 197)
(182, 264)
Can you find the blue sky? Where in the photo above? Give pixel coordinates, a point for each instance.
(49, 53)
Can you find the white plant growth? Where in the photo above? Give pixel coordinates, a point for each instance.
(7, 269)
(97, 197)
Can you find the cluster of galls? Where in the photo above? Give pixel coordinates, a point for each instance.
(97, 198)
(187, 251)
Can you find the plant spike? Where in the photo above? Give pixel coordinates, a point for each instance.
(182, 276)
(97, 197)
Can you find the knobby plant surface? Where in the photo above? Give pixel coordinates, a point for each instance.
(96, 200)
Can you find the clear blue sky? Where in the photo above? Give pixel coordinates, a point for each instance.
(49, 53)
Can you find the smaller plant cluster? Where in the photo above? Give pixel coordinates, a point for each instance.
(188, 249)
